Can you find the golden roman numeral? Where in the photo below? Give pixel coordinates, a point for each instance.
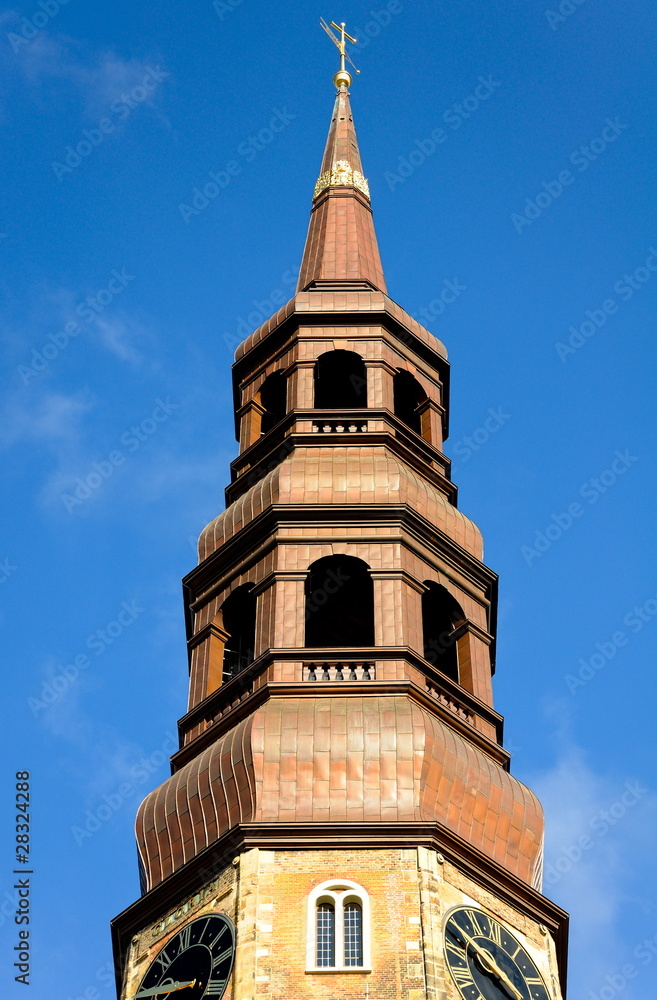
(462, 977)
(216, 962)
(495, 932)
(455, 950)
(162, 960)
(214, 942)
(215, 988)
(478, 929)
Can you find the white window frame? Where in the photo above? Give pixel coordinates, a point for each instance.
(337, 892)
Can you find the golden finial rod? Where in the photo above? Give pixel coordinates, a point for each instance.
(343, 76)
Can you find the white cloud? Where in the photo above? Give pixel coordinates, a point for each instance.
(117, 335)
(97, 78)
(597, 826)
(52, 418)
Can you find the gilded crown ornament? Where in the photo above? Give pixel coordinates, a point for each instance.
(342, 175)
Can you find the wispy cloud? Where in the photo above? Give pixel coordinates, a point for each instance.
(52, 418)
(597, 824)
(118, 335)
(54, 320)
(97, 78)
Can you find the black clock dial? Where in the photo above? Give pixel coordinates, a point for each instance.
(486, 961)
(195, 964)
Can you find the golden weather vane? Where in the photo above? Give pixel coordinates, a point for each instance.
(342, 76)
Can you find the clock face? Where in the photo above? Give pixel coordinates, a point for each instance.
(195, 964)
(486, 961)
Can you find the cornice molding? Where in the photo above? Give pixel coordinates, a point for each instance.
(270, 345)
(269, 451)
(233, 702)
(258, 536)
(471, 862)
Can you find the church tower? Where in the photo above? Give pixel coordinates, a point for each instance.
(341, 820)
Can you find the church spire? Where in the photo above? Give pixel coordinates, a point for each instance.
(341, 247)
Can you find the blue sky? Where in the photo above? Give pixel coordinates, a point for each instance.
(120, 310)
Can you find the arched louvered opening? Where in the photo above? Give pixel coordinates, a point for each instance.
(408, 395)
(440, 615)
(340, 381)
(273, 397)
(339, 603)
(239, 620)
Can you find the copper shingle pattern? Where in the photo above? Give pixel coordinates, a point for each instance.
(341, 244)
(358, 475)
(340, 760)
(339, 301)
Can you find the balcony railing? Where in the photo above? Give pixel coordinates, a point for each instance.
(342, 670)
(449, 701)
(339, 426)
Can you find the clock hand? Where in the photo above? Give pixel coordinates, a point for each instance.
(155, 991)
(492, 965)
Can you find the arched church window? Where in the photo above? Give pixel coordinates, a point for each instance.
(340, 381)
(339, 603)
(325, 935)
(441, 613)
(353, 934)
(338, 934)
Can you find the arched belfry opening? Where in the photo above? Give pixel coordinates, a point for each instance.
(339, 603)
(440, 616)
(340, 381)
(408, 395)
(273, 397)
(239, 620)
